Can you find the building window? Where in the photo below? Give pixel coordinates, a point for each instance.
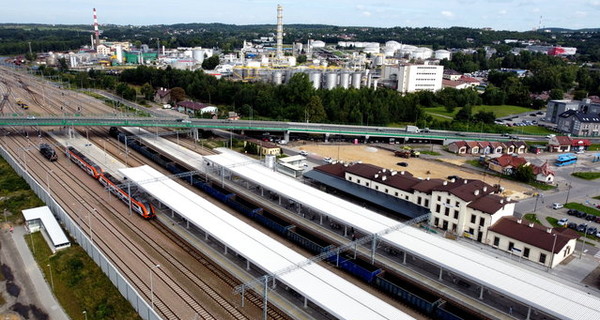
(542, 258)
(447, 213)
(455, 214)
(349, 178)
(496, 241)
(358, 181)
(437, 208)
(473, 218)
(419, 200)
(526, 252)
(454, 227)
(439, 198)
(367, 184)
(396, 193)
(472, 231)
(457, 204)
(436, 221)
(376, 187)
(448, 201)
(386, 190)
(481, 221)
(511, 245)
(426, 203)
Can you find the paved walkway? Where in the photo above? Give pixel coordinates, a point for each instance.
(23, 260)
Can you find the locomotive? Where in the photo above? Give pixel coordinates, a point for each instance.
(47, 151)
(139, 205)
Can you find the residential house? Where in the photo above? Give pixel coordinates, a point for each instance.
(543, 173)
(162, 96)
(264, 147)
(546, 246)
(191, 107)
(555, 108)
(472, 147)
(485, 147)
(559, 144)
(506, 163)
(517, 147)
(458, 147)
(579, 124)
(580, 144)
(497, 147)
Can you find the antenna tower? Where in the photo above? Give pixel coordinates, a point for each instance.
(96, 32)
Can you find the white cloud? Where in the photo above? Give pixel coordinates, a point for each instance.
(535, 10)
(503, 12)
(447, 14)
(366, 13)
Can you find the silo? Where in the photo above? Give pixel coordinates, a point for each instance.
(331, 80)
(356, 80)
(119, 54)
(315, 78)
(379, 60)
(277, 77)
(344, 80)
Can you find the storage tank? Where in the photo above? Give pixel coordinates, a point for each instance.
(379, 60)
(277, 78)
(315, 78)
(270, 161)
(331, 80)
(345, 80)
(394, 45)
(442, 54)
(422, 53)
(318, 44)
(198, 55)
(356, 80)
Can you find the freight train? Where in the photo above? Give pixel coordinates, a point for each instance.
(47, 151)
(138, 204)
(401, 289)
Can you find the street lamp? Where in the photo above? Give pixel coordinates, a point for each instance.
(85, 314)
(552, 252)
(51, 279)
(152, 285)
(568, 192)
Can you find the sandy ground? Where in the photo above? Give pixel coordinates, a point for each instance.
(440, 167)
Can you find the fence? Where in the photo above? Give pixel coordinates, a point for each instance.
(126, 289)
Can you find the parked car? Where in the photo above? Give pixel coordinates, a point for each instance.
(532, 114)
(598, 234)
(597, 220)
(563, 222)
(592, 231)
(303, 153)
(402, 164)
(582, 227)
(590, 217)
(327, 160)
(572, 212)
(572, 225)
(582, 215)
(557, 205)
(540, 112)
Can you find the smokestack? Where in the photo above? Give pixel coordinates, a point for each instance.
(96, 32)
(279, 54)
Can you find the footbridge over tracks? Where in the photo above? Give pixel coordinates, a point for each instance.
(283, 128)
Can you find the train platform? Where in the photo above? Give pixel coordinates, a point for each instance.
(102, 158)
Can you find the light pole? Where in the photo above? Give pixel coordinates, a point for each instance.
(152, 285)
(51, 279)
(552, 253)
(85, 314)
(568, 192)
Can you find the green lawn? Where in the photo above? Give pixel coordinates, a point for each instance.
(553, 222)
(586, 175)
(583, 208)
(499, 111)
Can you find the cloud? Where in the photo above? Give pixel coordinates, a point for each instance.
(448, 14)
(594, 3)
(503, 12)
(366, 13)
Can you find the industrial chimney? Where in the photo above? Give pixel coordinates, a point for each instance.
(279, 54)
(96, 32)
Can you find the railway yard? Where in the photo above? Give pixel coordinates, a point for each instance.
(185, 271)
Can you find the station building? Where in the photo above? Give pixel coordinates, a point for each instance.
(546, 246)
(461, 206)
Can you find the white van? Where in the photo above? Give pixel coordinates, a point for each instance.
(557, 205)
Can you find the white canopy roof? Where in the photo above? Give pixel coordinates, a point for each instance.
(332, 293)
(526, 286)
(52, 227)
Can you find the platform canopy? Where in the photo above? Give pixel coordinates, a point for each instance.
(332, 293)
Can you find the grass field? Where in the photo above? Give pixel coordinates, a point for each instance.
(536, 130)
(78, 283)
(500, 111)
(586, 175)
(532, 217)
(582, 208)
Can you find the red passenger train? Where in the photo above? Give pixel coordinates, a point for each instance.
(141, 206)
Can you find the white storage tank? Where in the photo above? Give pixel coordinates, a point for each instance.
(356, 80)
(198, 55)
(315, 78)
(422, 53)
(331, 80)
(345, 80)
(317, 44)
(379, 60)
(442, 54)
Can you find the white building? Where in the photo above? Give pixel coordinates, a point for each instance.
(412, 78)
(103, 50)
(546, 246)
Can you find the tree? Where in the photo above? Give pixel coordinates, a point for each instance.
(62, 65)
(580, 94)
(315, 110)
(485, 117)
(556, 94)
(210, 63)
(524, 173)
(301, 59)
(464, 114)
(177, 94)
(147, 91)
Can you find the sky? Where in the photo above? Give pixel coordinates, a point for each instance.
(514, 15)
